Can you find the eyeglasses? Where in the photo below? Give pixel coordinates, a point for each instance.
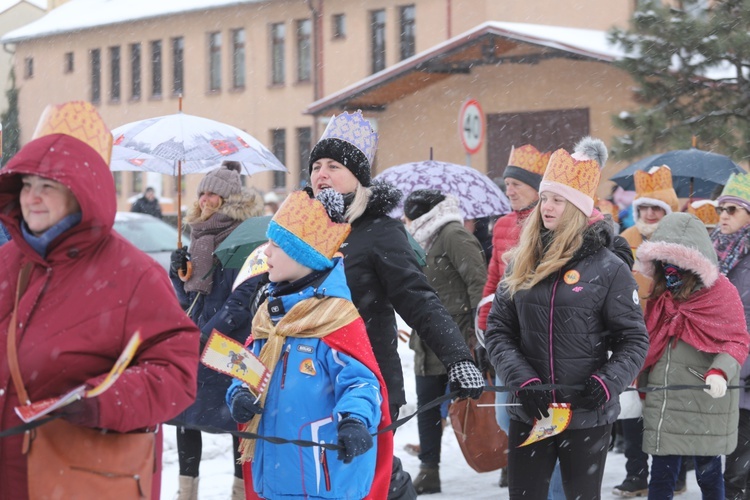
(645, 208)
(731, 209)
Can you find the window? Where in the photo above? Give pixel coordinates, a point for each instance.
(304, 147)
(137, 181)
(96, 75)
(304, 53)
(338, 23)
(156, 68)
(278, 148)
(135, 71)
(178, 65)
(114, 67)
(28, 67)
(277, 53)
(406, 36)
(377, 23)
(238, 59)
(69, 62)
(214, 61)
(118, 182)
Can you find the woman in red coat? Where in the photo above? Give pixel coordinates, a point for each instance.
(89, 292)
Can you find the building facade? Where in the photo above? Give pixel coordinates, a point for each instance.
(262, 65)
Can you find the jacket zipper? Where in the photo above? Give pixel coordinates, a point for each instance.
(284, 361)
(324, 463)
(664, 401)
(551, 323)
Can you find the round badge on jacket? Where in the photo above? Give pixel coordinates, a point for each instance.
(571, 277)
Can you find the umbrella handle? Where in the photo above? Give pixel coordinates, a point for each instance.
(184, 276)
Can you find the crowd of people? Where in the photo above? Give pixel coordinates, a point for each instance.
(554, 302)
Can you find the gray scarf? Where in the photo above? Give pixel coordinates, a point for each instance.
(205, 236)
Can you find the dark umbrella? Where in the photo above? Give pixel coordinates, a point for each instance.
(234, 250)
(695, 173)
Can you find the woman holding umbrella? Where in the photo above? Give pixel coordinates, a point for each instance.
(222, 205)
(382, 271)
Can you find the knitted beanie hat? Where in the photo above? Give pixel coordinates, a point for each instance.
(224, 181)
(575, 177)
(527, 164)
(310, 230)
(655, 188)
(737, 191)
(421, 201)
(350, 140)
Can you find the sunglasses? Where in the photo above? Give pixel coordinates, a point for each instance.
(730, 210)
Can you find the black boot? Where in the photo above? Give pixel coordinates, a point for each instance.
(428, 480)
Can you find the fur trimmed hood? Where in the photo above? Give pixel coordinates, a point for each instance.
(248, 203)
(681, 239)
(384, 198)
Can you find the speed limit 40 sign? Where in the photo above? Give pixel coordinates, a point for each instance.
(471, 126)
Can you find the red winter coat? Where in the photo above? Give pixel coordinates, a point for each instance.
(83, 303)
(505, 236)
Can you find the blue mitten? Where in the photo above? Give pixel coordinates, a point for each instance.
(243, 406)
(354, 439)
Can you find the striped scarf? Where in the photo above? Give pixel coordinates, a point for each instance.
(731, 248)
(310, 318)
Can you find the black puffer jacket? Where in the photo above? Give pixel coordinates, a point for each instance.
(561, 329)
(383, 274)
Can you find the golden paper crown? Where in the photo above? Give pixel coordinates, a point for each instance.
(529, 158)
(78, 119)
(705, 210)
(581, 175)
(607, 207)
(306, 219)
(656, 185)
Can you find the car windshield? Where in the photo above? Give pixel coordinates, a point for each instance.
(149, 234)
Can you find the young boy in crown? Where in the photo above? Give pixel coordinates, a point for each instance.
(325, 386)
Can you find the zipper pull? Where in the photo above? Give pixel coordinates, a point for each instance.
(284, 361)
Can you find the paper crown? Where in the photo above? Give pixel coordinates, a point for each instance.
(705, 210)
(302, 228)
(607, 207)
(354, 129)
(738, 186)
(529, 158)
(655, 188)
(78, 119)
(576, 177)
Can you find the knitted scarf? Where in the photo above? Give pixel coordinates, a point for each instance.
(731, 248)
(205, 236)
(696, 322)
(311, 318)
(425, 229)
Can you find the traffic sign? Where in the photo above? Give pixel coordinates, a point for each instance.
(471, 126)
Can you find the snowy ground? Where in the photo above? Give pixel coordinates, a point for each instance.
(458, 479)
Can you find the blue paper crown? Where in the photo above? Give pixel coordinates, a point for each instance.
(354, 129)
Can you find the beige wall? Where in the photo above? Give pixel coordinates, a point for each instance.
(408, 128)
(15, 17)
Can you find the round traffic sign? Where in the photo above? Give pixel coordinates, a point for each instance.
(471, 126)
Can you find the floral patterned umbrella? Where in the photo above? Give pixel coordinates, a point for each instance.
(478, 195)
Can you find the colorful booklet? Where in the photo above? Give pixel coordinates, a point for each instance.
(30, 412)
(229, 357)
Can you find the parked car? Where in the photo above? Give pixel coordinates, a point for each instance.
(150, 235)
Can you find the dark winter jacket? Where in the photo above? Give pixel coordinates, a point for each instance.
(84, 301)
(384, 277)
(561, 329)
(223, 310)
(146, 206)
(739, 276)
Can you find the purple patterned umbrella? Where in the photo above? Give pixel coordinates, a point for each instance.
(478, 195)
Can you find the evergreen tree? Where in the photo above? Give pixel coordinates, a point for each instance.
(11, 127)
(691, 66)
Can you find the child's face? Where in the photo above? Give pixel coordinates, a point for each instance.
(281, 267)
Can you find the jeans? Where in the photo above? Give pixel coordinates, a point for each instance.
(429, 423)
(556, 491)
(664, 471)
(636, 464)
(501, 412)
(738, 463)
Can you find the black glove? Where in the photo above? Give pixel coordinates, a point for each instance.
(84, 412)
(179, 259)
(354, 439)
(482, 359)
(244, 407)
(465, 378)
(535, 402)
(593, 395)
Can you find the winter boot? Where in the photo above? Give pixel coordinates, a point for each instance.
(632, 487)
(428, 480)
(188, 488)
(238, 489)
(503, 483)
